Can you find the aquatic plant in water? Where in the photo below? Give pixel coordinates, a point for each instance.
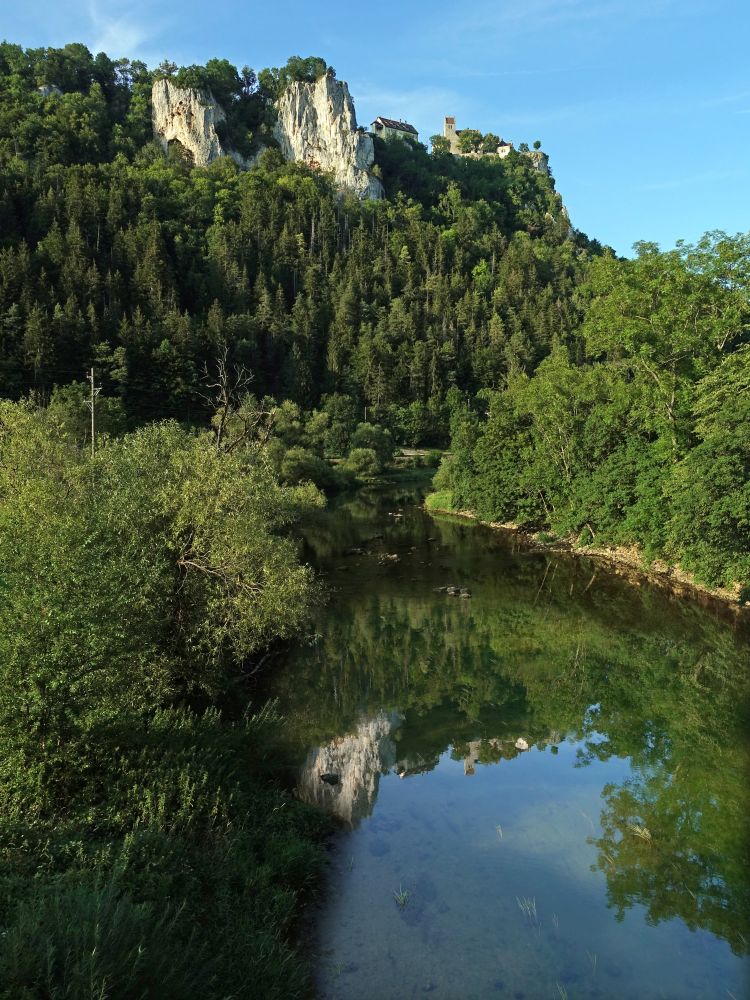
(401, 896)
(527, 906)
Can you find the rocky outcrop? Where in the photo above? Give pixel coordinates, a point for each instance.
(189, 118)
(540, 161)
(317, 126)
(356, 762)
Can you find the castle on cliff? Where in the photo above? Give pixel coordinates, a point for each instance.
(451, 133)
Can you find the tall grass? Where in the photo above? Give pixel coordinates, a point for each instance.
(175, 872)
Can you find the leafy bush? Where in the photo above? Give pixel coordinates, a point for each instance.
(440, 500)
(363, 463)
(375, 438)
(432, 459)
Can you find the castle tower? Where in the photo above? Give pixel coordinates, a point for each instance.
(450, 133)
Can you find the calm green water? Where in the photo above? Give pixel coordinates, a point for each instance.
(609, 860)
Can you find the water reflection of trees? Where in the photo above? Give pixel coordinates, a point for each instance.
(537, 653)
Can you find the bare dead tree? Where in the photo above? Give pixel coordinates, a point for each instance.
(237, 415)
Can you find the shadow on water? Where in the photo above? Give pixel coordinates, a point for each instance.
(552, 769)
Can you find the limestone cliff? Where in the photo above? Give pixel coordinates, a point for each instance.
(357, 760)
(189, 118)
(540, 161)
(317, 125)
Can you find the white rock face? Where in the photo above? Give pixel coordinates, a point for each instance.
(357, 760)
(189, 117)
(540, 161)
(317, 126)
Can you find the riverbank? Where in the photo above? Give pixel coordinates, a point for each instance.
(625, 561)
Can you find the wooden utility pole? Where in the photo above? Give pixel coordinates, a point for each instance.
(91, 403)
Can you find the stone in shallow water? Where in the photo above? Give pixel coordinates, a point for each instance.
(330, 778)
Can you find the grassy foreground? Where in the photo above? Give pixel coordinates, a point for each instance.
(177, 870)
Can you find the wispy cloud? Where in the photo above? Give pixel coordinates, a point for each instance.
(509, 19)
(124, 27)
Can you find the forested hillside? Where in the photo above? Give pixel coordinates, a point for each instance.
(113, 255)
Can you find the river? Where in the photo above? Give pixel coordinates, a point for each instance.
(541, 784)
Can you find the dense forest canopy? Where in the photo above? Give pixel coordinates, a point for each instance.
(112, 254)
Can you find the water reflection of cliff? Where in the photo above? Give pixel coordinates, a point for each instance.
(537, 652)
(342, 777)
(356, 762)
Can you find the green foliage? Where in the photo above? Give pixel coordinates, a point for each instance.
(275, 81)
(489, 143)
(112, 255)
(440, 500)
(470, 140)
(643, 437)
(142, 844)
(74, 941)
(363, 463)
(69, 405)
(375, 438)
(172, 869)
(153, 568)
(709, 531)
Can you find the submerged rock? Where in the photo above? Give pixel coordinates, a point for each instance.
(330, 778)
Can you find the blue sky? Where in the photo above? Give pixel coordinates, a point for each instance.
(642, 105)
